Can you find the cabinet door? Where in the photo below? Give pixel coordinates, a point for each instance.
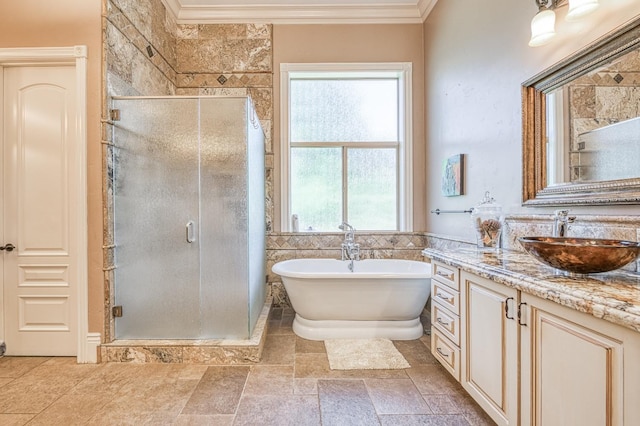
(572, 368)
(490, 346)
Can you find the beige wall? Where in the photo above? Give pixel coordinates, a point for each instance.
(476, 58)
(354, 43)
(36, 23)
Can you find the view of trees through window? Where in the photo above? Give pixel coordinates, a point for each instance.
(344, 152)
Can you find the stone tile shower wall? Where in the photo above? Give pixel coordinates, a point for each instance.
(234, 59)
(146, 53)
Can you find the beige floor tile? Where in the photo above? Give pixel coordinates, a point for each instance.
(433, 380)
(21, 399)
(317, 366)
(39, 387)
(72, 409)
(109, 378)
(279, 350)
(304, 346)
(60, 360)
(168, 395)
(415, 352)
(132, 418)
(15, 419)
(305, 386)
(345, 403)
(270, 380)
(204, 420)
(294, 410)
(442, 404)
(423, 420)
(471, 410)
(396, 396)
(218, 392)
(16, 366)
(479, 419)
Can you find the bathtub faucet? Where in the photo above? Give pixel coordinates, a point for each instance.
(350, 250)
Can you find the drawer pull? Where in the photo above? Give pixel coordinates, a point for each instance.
(439, 321)
(520, 315)
(506, 308)
(443, 297)
(442, 353)
(444, 275)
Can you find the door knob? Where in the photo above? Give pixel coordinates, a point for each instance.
(8, 247)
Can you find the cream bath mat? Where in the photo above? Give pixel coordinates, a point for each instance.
(364, 354)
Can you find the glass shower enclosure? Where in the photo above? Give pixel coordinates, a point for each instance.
(189, 217)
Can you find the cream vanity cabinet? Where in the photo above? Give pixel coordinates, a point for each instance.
(529, 361)
(445, 316)
(489, 352)
(576, 369)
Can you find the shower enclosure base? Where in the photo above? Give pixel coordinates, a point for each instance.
(211, 352)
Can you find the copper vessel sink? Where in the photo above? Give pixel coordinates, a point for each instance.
(581, 255)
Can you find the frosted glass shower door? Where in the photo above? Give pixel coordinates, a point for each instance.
(156, 195)
(232, 208)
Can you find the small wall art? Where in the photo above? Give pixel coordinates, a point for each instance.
(453, 176)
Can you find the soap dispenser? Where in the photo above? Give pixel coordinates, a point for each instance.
(487, 221)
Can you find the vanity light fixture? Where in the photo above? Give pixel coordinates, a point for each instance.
(543, 24)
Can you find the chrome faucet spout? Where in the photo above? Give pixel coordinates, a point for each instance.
(350, 250)
(348, 231)
(561, 221)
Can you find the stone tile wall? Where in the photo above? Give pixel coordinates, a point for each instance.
(601, 98)
(231, 60)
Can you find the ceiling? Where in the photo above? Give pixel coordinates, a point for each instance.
(299, 11)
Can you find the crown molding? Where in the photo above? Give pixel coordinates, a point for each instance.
(425, 7)
(301, 14)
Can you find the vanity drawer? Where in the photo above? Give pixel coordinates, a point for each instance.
(445, 296)
(447, 323)
(446, 353)
(446, 275)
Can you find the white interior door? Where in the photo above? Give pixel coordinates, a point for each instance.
(40, 145)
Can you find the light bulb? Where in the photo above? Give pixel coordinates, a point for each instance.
(543, 27)
(579, 8)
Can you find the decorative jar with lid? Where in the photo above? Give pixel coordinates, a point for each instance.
(487, 221)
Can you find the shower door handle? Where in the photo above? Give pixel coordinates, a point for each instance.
(190, 235)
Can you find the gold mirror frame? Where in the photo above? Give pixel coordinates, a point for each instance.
(535, 191)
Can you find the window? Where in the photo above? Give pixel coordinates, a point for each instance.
(346, 154)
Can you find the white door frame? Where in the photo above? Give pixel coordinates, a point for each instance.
(77, 56)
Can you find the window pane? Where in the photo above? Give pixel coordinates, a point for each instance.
(372, 193)
(344, 110)
(316, 188)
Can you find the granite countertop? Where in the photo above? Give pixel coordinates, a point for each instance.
(613, 296)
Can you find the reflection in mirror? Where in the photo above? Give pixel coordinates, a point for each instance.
(581, 126)
(593, 129)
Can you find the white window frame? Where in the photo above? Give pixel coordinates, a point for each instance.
(401, 70)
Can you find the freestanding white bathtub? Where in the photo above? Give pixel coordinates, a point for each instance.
(381, 298)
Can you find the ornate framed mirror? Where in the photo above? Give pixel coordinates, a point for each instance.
(581, 126)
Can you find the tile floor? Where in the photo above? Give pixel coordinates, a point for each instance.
(292, 385)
